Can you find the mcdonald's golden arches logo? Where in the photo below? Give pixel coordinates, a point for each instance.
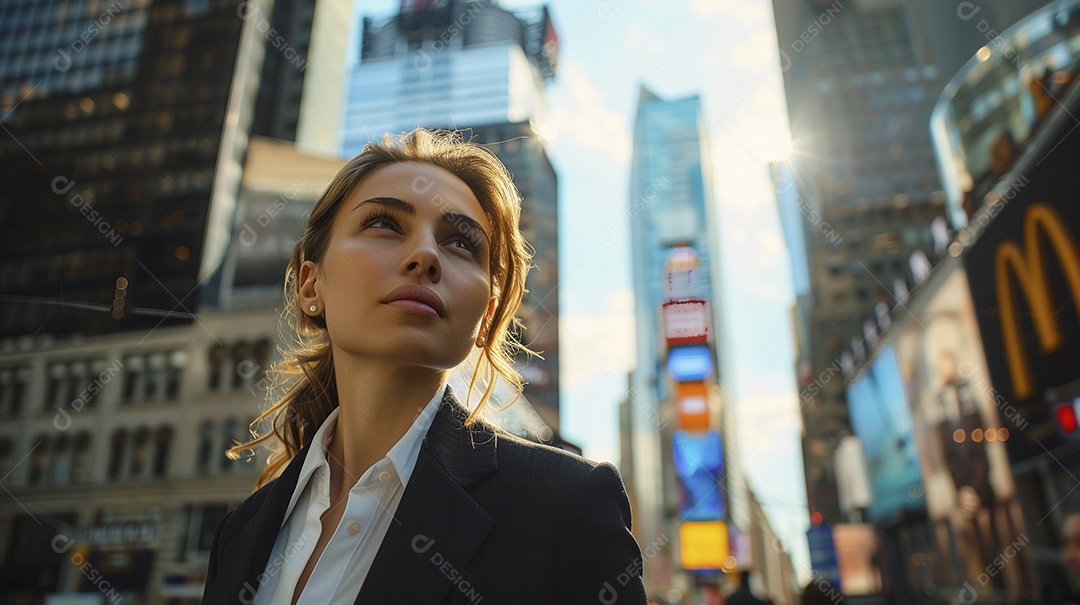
(1028, 268)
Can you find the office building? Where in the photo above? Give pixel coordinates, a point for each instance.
(672, 221)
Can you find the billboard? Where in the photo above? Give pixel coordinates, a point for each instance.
(961, 436)
(699, 465)
(690, 363)
(703, 545)
(692, 405)
(686, 322)
(881, 419)
(1024, 273)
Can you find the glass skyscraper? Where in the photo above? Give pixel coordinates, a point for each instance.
(672, 220)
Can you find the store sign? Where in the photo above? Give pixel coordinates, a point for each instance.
(1024, 275)
(1027, 268)
(122, 534)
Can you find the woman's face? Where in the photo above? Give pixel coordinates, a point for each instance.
(408, 226)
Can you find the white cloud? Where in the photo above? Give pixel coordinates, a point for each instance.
(767, 426)
(746, 12)
(583, 116)
(599, 344)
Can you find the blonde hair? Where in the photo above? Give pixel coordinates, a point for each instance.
(306, 372)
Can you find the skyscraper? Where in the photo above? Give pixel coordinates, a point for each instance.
(672, 221)
(126, 138)
(861, 79)
(125, 128)
(475, 66)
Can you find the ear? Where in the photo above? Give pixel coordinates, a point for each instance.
(489, 314)
(308, 294)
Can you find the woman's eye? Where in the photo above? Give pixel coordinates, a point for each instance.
(381, 221)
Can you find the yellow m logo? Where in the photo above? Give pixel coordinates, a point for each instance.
(1030, 272)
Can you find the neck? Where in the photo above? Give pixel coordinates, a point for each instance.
(378, 402)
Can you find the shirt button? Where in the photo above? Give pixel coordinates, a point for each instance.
(384, 476)
(354, 528)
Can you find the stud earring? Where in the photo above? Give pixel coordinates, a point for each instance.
(314, 308)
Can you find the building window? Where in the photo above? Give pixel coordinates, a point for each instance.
(174, 374)
(162, 444)
(39, 460)
(140, 452)
(5, 453)
(133, 373)
(13, 383)
(81, 459)
(118, 454)
(206, 448)
(217, 362)
(229, 434)
(56, 387)
(153, 377)
(241, 365)
(93, 387)
(154, 380)
(263, 349)
(60, 461)
(198, 524)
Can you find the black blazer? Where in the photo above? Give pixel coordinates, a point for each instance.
(486, 518)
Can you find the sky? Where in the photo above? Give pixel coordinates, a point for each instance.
(725, 52)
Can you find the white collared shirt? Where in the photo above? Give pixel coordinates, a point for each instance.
(369, 510)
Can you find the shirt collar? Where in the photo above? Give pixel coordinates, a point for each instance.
(403, 455)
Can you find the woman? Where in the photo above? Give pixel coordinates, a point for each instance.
(382, 487)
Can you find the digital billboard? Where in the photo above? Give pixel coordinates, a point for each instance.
(699, 465)
(881, 419)
(961, 435)
(703, 545)
(689, 363)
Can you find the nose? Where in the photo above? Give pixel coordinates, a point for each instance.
(424, 259)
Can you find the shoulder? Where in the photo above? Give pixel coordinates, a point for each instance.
(514, 452)
(562, 474)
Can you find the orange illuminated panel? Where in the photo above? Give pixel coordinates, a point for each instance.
(704, 544)
(692, 405)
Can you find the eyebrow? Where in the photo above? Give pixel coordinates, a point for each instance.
(450, 217)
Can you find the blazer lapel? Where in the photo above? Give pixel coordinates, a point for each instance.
(248, 550)
(437, 526)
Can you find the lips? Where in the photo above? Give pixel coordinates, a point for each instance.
(417, 294)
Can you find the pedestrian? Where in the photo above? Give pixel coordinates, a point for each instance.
(820, 592)
(743, 595)
(382, 486)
